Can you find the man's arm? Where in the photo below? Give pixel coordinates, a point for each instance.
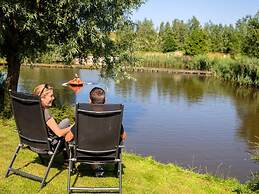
(123, 133)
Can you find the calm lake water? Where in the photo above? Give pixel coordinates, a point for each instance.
(196, 122)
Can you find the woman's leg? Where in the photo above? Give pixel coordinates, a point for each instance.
(64, 124)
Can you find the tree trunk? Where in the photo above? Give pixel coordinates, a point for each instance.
(11, 83)
(13, 72)
(14, 62)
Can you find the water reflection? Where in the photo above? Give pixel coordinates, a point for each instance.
(190, 120)
(247, 105)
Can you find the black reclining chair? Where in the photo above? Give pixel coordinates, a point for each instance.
(32, 131)
(97, 140)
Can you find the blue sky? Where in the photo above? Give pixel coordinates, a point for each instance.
(217, 11)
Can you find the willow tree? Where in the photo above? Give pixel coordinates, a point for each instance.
(79, 26)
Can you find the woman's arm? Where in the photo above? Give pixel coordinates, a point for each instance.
(51, 123)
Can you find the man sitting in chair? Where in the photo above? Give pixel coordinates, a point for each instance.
(97, 96)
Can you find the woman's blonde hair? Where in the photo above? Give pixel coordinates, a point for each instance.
(42, 90)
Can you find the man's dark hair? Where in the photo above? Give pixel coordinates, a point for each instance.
(97, 95)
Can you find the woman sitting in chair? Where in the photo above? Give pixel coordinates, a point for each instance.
(63, 129)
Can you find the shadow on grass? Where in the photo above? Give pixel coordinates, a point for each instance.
(86, 170)
(58, 163)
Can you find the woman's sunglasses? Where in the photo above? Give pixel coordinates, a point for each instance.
(46, 86)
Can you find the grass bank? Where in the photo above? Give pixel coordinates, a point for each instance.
(241, 70)
(140, 175)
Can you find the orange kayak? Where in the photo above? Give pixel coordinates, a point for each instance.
(75, 83)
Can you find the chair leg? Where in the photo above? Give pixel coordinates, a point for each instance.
(13, 159)
(116, 169)
(120, 178)
(69, 176)
(49, 165)
(70, 166)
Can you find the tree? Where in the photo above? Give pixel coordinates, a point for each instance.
(231, 43)
(250, 42)
(28, 28)
(161, 34)
(80, 26)
(194, 23)
(197, 39)
(168, 41)
(146, 36)
(161, 29)
(180, 31)
(215, 36)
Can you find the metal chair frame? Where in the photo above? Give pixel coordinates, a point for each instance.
(90, 155)
(26, 142)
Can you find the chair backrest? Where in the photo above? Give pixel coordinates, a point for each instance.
(98, 130)
(30, 122)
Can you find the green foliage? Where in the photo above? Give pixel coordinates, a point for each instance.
(193, 24)
(196, 43)
(231, 43)
(250, 42)
(79, 27)
(62, 112)
(224, 39)
(215, 36)
(168, 41)
(146, 37)
(180, 30)
(194, 39)
(160, 60)
(253, 184)
(200, 62)
(241, 70)
(53, 55)
(124, 39)
(197, 39)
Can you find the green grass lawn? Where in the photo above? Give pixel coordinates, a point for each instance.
(140, 175)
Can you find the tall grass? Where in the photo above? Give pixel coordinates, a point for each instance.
(241, 70)
(161, 60)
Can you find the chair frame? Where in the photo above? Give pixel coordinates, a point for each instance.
(52, 153)
(73, 149)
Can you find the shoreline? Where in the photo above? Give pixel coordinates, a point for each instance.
(136, 69)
